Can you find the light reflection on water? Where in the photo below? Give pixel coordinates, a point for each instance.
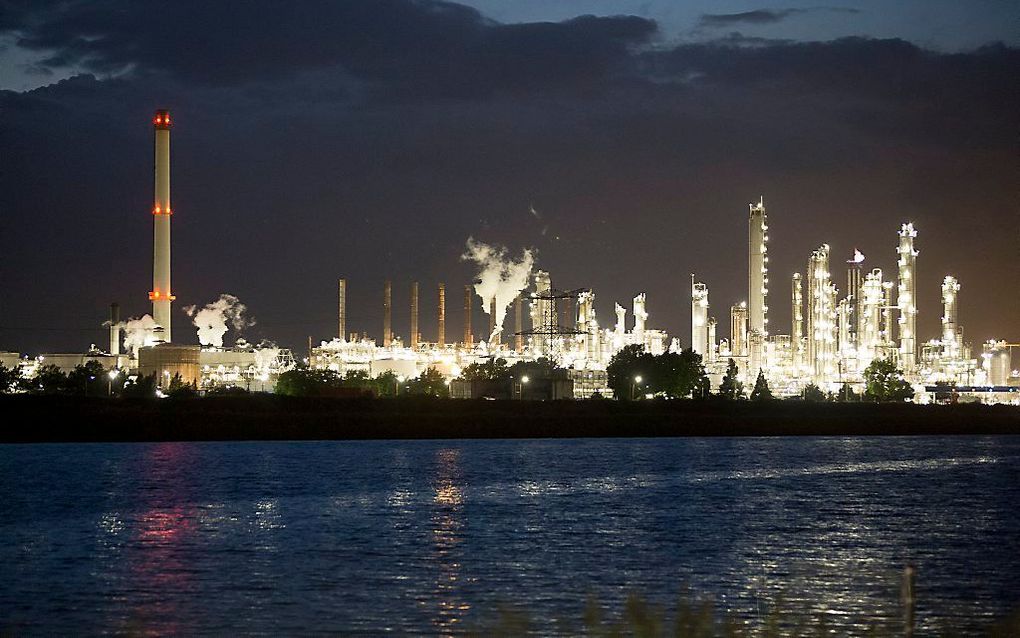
(435, 536)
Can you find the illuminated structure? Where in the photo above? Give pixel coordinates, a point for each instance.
(831, 340)
(821, 315)
(161, 294)
(951, 335)
(797, 324)
(906, 299)
(341, 309)
(757, 285)
(738, 330)
(699, 318)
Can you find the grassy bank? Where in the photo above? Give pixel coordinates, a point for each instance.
(267, 417)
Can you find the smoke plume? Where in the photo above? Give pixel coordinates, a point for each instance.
(138, 333)
(499, 276)
(214, 320)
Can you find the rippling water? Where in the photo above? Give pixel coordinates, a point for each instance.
(435, 536)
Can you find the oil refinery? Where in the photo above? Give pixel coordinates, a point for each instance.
(833, 335)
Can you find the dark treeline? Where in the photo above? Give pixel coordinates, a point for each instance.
(267, 417)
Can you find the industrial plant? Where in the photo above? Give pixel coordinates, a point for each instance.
(833, 336)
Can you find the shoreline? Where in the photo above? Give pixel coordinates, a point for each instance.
(40, 419)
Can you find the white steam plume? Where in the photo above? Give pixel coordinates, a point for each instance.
(499, 276)
(138, 333)
(213, 320)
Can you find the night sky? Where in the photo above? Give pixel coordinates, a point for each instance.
(369, 138)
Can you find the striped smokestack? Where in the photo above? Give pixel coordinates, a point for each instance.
(160, 294)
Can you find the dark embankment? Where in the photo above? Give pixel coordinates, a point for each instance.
(55, 418)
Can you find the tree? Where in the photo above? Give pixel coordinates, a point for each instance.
(678, 374)
(430, 382)
(846, 394)
(303, 382)
(49, 380)
(494, 369)
(178, 388)
(541, 368)
(9, 378)
(142, 387)
(813, 394)
(884, 382)
(87, 378)
(227, 391)
(731, 388)
(385, 384)
(625, 366)
(761, 391)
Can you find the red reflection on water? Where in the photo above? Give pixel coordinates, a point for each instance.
(160, 573)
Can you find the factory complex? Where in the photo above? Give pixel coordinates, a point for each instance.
(832, 338)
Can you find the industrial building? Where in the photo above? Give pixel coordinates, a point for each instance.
(834, 335)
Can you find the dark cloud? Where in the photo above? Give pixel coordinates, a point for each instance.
(434, 47)
(968, 92)
(762, 16)
(376, 157)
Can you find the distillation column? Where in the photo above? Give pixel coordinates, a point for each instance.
(699, 318)
(640, 318)
(160, 294)
(906, 297)
(821, 324)
(757, 286)
(854, 296)
(797, 323)
(869, 333)
(738, 330)
(950, 330)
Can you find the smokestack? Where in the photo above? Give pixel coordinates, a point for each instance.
(493, 335)
(387, 331)
(160, 294)
(415, 335)
(518, 325)
(441, 338)
(114, 329)
(469, 339)
(342, 309)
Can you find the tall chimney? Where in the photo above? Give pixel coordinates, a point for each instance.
(387, 332)
(415, 335)
(518, 324)
(342, 309)
(493, 335)
(469, 339)
(114, 329)
(160, 294)
(441, 339)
